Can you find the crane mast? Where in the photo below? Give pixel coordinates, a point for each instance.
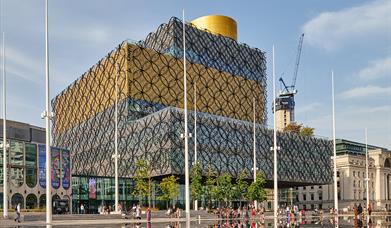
(285, 101)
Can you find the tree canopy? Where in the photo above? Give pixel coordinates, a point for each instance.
(256, 190)
(296, 128)
(196, 182)
(169, 188)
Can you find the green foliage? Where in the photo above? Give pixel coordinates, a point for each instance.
(196, 179)
(299, 129)
(142, 179)
(209, 190)
(241, 186)
(307, 132)
(223, 190)
(293, 127)
(169, 188)
(256, 190)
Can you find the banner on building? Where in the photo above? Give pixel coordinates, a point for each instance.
(66, 169)
(92, 188)
(55, 174)
(42, 165)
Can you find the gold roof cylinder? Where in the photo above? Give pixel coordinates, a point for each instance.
(217, 24)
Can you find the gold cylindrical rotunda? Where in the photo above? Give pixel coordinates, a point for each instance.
(217, 24)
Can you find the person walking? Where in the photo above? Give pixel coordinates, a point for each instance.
(369, 209)
(17, 211)
(138, 212)
(82, 209)
(359, 210)
(149, 214)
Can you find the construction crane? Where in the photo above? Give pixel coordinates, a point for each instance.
(290, 90)
(285, 102)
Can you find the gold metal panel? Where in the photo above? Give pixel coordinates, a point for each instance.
(93, 92)
(217, 24)
(158, 78)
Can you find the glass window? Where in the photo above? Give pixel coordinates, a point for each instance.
(304, 197)
(354, 173)
(16, 176)
(16, 153)
(83, 188)
(42, 201)
(320, 196)
(31, 201)
(15, 199)
(31, 164)
(312, 196)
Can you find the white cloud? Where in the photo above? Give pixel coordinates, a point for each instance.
(377, 69)
(22, 65)
(330, 30)
(366, 91)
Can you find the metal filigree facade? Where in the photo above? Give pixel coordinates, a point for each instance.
(149, 76)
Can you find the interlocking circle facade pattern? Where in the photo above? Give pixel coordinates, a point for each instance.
(149, 76)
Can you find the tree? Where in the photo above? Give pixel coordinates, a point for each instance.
(241, 187)
(296, 128)
(293, 127)
(256, 190)
(169, 188)
(143, 180)
(196, 179)
(307, 132)
(209, 190)
(224, 188)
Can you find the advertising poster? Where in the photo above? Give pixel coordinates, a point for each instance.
(42, 165)
(92, 188)
(55, 174)
(66, 169)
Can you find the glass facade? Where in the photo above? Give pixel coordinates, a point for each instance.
(17, 163)
(31, 164)
(24, 165)
(105, 194)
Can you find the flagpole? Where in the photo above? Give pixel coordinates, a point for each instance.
(116, 141)
(5, 176)
(186, 136)
(254, 152)
(47, 115)
(195, 135)
(335, 153)
(367, 168)
(275, 145)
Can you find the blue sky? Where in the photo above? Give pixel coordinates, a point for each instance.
(351, 37)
